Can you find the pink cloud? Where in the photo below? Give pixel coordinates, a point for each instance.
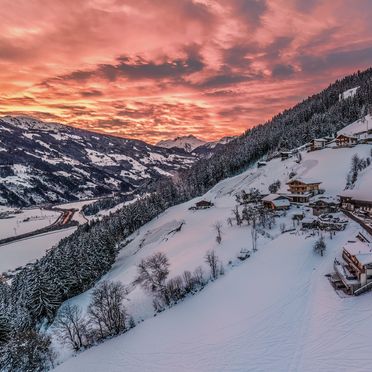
(152, 69)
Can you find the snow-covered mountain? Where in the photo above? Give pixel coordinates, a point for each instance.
(187, 143)
(48, 162)
(193, 144)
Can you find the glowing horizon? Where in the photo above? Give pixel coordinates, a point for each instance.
(155, 70)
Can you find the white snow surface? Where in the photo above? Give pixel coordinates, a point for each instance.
(276, 311)
(348, 93)
(26, 221)
(22, 252)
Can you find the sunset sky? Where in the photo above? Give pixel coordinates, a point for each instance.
(160, 68)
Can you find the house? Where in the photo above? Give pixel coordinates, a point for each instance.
(276, 202)
(323, 206)
(364, 136)
(301, 189)
(286, 155)
(355, 271)
(318, 144)
(343, 140)
(355, 200)
(203, 204)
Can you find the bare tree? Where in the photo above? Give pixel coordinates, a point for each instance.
(282, 227)
(320, 245)
(71, 328)
(218, 227)
(237, 215)
(212, 260)
(106, 310)
(152, 274)
(254, 236)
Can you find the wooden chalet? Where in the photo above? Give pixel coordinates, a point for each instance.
(323, 206)
(276, 202)
(318, 144)
(343, 140)
(355, 270)
(203, 204)
(286, 155)
(301, 189)
(354, 200)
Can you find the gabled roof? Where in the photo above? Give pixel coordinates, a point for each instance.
(320, 140)
(358, 248)
(281, 202)
(306, 181)
(272, 197)
(361, 195)
(346, 135)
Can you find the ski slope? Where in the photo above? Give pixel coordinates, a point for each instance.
(274, 312)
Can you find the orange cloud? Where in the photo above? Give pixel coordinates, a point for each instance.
(153, 69)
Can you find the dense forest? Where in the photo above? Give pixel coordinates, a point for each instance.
(78, 261)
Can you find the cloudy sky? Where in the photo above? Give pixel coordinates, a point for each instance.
(154, 69)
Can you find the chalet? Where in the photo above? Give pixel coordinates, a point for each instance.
(203, 204)
(364, 136)
(355, 271)
(276, 202)
(323, 206)
(355, 200)
(286, 155)
(318, 144)
(343, 140)
(301, 189)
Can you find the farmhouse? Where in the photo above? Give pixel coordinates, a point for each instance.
(323, 206)
(276, 202)
(355, 271)
(286, 155)
(354, 200)
(203, 204)
(343, 140)
(318, 144)
(301, 189)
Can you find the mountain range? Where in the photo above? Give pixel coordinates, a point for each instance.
(49, 162)
(192, 144)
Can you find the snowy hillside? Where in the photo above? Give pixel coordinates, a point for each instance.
(275, 311)
(43, 162)
(359, 126)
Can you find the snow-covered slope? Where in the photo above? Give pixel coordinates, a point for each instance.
(187, 143)
(274, 312)
(43, 162)
(359, 126)
(348, 93)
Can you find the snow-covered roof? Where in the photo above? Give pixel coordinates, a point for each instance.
(281, 203)
(320, 140)
(346, 135)
(358, 248)
(364, 259)
(307, 181)
(363, 195)
(272, 197)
